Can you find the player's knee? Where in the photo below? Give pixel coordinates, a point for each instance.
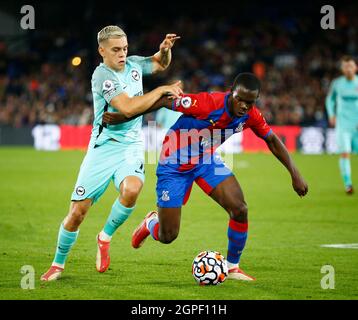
(131, 192)
(167, 237)
(239, 212)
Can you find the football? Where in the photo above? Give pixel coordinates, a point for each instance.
(209, 268)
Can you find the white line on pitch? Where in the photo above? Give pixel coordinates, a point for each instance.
(341, 246)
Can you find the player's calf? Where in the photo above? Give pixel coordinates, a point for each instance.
(168, 236)
(77, 213)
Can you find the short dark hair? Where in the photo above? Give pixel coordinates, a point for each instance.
(248, 80)
(347, 58)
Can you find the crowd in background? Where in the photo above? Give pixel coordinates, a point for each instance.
(294, 58)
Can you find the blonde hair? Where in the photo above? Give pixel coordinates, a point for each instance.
(110, 32)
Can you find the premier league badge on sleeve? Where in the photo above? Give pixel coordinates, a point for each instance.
(108, 85)
(186, 102)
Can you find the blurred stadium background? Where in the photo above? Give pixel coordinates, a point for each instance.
(283, 43)
(45, 84)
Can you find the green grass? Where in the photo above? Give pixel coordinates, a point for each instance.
(283, 250)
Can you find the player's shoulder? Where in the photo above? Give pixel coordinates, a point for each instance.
(135, 60)
(338, 80)
(209, 100)
(218, 98)
(102, 71)
(254, 111)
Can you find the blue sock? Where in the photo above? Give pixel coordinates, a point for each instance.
(345, 168)
(65, 241)
(118, 215)
(237, 234)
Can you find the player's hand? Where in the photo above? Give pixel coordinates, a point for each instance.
(113, 118)
(332, 121)
(299, 185)
(168, 42)
(174, 90)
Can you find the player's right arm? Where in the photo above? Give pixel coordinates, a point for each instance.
(330, 104)
(196, 105)
(117, 118)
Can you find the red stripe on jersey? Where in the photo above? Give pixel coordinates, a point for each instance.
(238, 226)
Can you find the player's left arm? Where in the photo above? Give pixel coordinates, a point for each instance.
(161, 60)
(259, 126)
(279, 150)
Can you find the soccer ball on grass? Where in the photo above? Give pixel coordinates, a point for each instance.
(209, 268)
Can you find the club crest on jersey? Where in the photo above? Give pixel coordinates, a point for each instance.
(135, 75)
(165, 195)
(80, 191)
(108, 85)
(186, 102)
(240, 127)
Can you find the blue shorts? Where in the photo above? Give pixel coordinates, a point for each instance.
(174, 187)
(109, 161)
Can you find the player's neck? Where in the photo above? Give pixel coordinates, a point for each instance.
(351, 78)
(108, 65)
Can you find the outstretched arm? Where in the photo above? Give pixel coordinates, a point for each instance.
(279, 150)
(117, 118)
(163, 57)
(132, 106)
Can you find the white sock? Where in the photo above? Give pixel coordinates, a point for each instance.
(232, 265)
(104, 236)
(54, 264)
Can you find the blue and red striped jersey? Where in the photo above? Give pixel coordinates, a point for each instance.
(206, 123)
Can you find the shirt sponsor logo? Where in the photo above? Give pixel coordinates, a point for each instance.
(135, 75)
(186, 102)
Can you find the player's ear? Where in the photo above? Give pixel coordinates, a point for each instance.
(101, 51)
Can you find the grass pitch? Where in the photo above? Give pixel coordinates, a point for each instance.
(283, 250)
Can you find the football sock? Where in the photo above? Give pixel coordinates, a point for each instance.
(232, 265)
(237, 234)
(118, 215)
(345, 168)
(104, 236)
(65, 241)
(153, 227)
